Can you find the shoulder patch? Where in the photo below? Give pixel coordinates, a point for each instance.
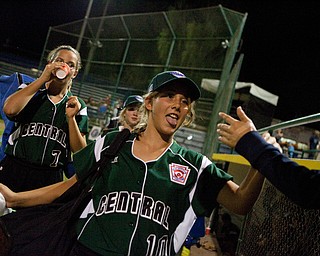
(179, 173)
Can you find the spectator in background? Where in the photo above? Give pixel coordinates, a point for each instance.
(318, 154)
(51, 123)
(290, 149)
(92, 108)
(103, 112)
(278, 135)
(91, 102)
(313, 143)
(129, 116)
(115, 114)
(107, 100)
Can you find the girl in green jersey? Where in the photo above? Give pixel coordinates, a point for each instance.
(149, 196)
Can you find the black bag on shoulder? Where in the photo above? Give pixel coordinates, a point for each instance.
(49, 229)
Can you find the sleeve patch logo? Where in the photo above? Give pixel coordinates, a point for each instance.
(179, 173)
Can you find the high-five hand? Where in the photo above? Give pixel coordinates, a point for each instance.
(233, 130)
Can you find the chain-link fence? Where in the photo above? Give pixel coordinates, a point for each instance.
(278, 227)
(121, 53)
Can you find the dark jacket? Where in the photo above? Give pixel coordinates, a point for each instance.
(297, 182)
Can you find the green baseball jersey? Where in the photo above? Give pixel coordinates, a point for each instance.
(41, 135)
(146, 208)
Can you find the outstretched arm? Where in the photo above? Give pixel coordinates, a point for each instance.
(38, 196)
(240, 199)
(297, 182)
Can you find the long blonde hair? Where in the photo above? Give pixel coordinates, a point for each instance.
(144, 113)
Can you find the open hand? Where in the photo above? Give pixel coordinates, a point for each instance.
(233, 130)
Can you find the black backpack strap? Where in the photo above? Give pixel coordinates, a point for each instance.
(84, 185)
(108, 154)
(116, 144)
(87, 184)
(19, 78)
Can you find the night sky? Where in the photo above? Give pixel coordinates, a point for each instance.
(281, 40)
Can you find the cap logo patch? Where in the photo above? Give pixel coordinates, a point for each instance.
(177, 74)
(179, 173)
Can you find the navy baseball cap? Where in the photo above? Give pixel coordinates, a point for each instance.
(133, 99)
(167, 77)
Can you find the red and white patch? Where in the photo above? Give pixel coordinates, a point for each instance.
(179, 173)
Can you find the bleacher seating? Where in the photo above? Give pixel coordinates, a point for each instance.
(87, 90)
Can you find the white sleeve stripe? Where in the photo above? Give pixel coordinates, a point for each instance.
(23, 85)
(183, 228)
(83, 112)
(98, 147)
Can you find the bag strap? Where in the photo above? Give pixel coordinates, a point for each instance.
(87, 182)
(115, 145)
(108, 154)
